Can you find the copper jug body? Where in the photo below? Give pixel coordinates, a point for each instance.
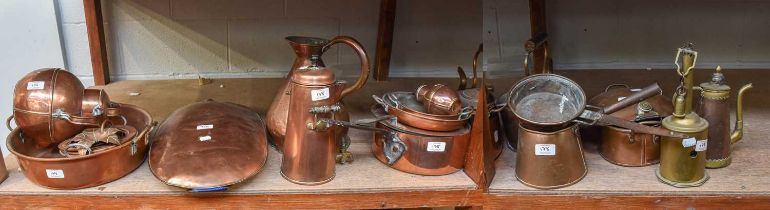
(549, 160)
(278, 112)
(310, 145)
(715, 108)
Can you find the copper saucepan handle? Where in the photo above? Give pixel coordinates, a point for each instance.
(647, 92)
(476, 64)
(361, 55)
(596, 117)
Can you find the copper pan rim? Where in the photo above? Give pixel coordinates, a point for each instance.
(17, 131)
(570, 82)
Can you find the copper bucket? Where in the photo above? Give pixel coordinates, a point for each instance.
(48, 168)
(548, 160)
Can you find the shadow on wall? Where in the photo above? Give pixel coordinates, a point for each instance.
(165, 39)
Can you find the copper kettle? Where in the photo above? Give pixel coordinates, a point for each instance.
(305, 47)
(310, 145)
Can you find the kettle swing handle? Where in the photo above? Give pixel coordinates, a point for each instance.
(361, 55)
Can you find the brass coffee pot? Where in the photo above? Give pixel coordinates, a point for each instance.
(683, 160)
(715, 109)
(306, 48)
(311, 145)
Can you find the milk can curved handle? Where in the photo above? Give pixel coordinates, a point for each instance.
(361, 55)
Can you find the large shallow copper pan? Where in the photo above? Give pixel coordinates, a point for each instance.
(425, 152)
(47, 168)
(420, 121)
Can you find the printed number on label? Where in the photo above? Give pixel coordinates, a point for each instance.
(35, 85)
(545, 149)
(204, 138)
(688, 142)
(320, 94)
(54, 173)
(701, 145)
(436, 146)
(204, 127)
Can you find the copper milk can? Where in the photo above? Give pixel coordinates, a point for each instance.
(310, 146)
(683, 160)
(715, 109)
(305, 48)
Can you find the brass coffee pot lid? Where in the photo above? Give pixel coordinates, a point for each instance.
(717, 83)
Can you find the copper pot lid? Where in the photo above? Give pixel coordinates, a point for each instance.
(209, 145)
(658, 104)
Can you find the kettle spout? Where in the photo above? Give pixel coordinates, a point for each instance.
(737, 133)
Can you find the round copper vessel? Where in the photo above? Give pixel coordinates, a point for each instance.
(439, 99)
(40, 94)
(417, 119)
(549, 160)
(48, 168)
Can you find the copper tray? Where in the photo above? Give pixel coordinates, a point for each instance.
(47, 168)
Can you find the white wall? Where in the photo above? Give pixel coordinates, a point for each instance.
(629, 34)
(29, 40)
(162, 39)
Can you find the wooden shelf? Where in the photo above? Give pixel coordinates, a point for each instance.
(367, 183)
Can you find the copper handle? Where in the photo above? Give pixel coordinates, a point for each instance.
(476, 64)
(361, 55)
(463, 78)
(8, 123)
(645, 93)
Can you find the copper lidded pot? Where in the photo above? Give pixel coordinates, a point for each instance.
(715, 108)
(310, 147)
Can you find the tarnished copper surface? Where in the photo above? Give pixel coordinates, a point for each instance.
(548, 160)
(40, 164)
(623, 147)
(439, 99)
(209, 144)
(305, 49)
(420, 121)
(37, 95)
(614, 93)
(446, 156)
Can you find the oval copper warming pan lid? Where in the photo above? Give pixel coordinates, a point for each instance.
(209, 145)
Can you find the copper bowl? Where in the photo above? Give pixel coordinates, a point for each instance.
(421, 120)
(47, 168)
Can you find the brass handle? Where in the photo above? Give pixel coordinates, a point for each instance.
(361, 55)
(476, 64)
(463, 78)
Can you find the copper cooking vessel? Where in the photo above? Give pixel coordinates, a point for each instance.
(622, 146)
(305, 48)
(51, 105)
(421, 152)
(207, 146)
(48, 168)
(715, 108)
(418, 119)
(439, 99)
(310, 146)
(549, 160)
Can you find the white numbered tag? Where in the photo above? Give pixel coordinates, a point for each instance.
(204, 127)
(54, 173)
(320, 94)
(688, 142)
(36, 85)
(545, 149)
(701, 145)
(204, 138)
(436, 146)
(621, 98)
